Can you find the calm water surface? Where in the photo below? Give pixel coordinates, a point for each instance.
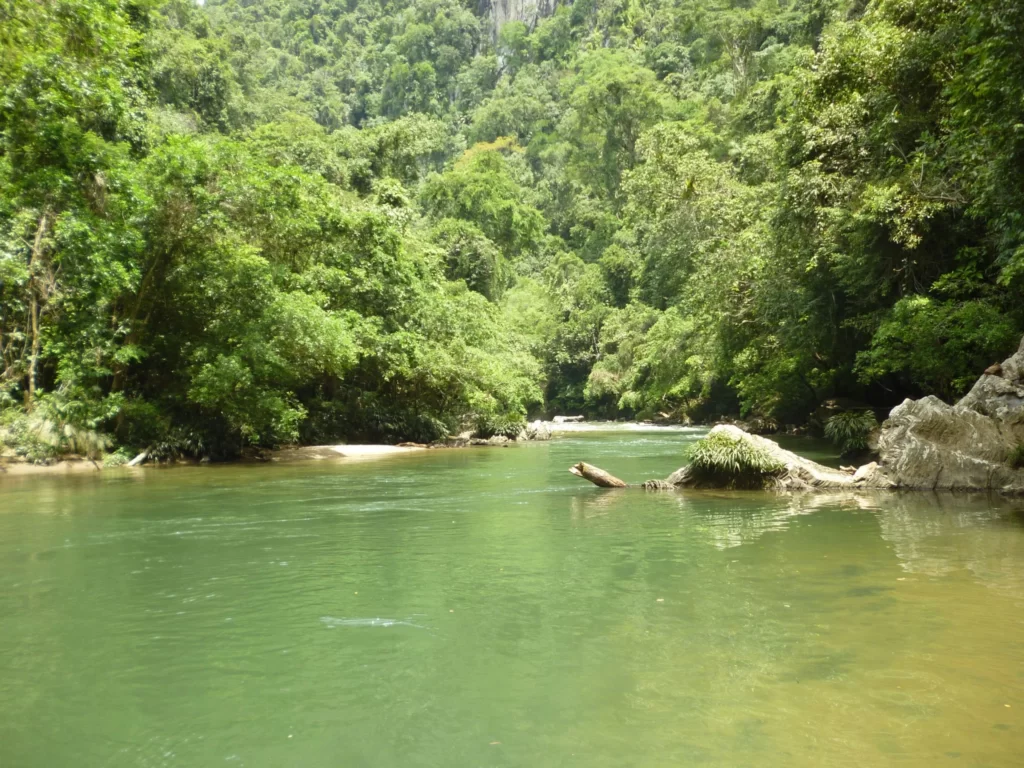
(485, 608)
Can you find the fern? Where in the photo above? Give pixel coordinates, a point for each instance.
(850, 430)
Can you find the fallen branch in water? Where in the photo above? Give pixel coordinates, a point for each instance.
(596, 475)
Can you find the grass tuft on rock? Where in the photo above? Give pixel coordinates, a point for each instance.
(723, 460)
(1016, 457)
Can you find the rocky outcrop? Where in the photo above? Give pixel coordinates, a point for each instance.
(999, 393)
(500, 12)
(928, 444)
(795, 473)
(537, 430)
(925, 444)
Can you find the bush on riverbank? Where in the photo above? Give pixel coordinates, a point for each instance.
(48, 433)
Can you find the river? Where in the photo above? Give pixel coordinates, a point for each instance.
(483, 607)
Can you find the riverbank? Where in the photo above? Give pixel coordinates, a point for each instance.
(77, 464)
(536, 431)
(66, 466)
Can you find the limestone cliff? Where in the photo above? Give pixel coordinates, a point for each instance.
(530, 12)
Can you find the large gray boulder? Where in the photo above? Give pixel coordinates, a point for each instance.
(1000, 394)
(928, 444)
(538, 430)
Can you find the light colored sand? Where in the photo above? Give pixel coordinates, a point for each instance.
(67, 467)
(617, 426)
(320, 452)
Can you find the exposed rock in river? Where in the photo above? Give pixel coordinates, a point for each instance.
(925, 444)
(928, 444)
(538, 430)
(793, 472)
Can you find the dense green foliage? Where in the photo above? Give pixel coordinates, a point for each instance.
(723, 461)
(245, 224)
(850, 430)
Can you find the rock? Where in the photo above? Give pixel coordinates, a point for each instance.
(925, 444)
(538, 430)
(760, 426)
(567, 419)
(1001, 395)
(797, 472)
(872, 476)
(530, 12)
(456, 441)
(497, 440)
(928, 444)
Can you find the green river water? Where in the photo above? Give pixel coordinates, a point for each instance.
(483, 607)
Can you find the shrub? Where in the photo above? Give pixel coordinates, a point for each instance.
(850, 430)
(52, 430)
(733, 462)
(507, 425)
(118, 458)
(1016, 457)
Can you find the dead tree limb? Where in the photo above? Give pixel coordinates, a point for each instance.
(596, 475)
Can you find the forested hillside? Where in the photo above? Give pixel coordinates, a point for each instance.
(255, 223)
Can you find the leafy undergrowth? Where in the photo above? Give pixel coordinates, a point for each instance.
(723, 461)
(850, 430)
(502, 425)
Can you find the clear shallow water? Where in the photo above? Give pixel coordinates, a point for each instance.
(485, 608)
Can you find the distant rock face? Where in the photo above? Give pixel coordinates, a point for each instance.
(927, 444)
(538, 430)
(500, 12)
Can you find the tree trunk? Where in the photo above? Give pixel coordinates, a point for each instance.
(596, 475)
(33, 310)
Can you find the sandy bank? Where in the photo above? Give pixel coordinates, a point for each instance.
(619, 426)
(62, 467)
(321, 452)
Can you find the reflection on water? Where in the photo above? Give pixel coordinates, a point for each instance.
(486, 608)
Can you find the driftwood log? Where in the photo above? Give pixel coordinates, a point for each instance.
(596, 475)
